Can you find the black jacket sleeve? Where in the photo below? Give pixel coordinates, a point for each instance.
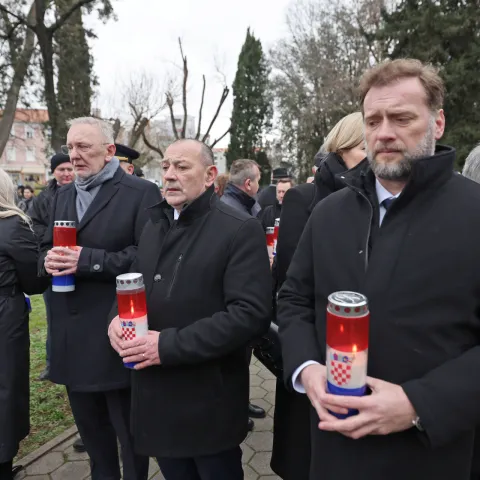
(446, 399)
(40, 215)
(23, 249)
(99, 264)
(296, 309)
(294, 217)
(246, 285)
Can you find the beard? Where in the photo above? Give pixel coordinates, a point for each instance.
(401, 169)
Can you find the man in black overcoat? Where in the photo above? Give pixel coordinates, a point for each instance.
(109, 208)
(405, 234)
(207, 276)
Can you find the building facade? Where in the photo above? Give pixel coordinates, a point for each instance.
(26, 154)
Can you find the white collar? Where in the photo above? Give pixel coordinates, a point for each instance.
(176, 214)
(383, 193)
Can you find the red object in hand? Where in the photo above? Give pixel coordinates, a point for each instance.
(64, 234)
(270, 236)
(275, 235)
(132, 307)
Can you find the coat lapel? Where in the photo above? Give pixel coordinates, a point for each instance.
(105, 194)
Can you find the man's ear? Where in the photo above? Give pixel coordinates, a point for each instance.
(210, 175)
(111, 149)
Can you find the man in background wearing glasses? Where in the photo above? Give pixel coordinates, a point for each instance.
(108, 207)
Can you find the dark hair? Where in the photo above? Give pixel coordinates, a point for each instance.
(28, 187)
(393, 70)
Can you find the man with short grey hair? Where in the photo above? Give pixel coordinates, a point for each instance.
(242, 188)
(471, 169)
(109, 209)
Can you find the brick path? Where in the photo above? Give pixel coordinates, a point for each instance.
(62, 463)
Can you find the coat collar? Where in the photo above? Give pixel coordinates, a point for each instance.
(427, 173)
(246, 200)
(189, 213)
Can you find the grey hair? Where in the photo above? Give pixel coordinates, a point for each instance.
(105, 128)
(471, 169)
(243, 170)
(7, 199)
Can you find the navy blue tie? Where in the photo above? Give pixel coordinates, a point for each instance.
(387, 203)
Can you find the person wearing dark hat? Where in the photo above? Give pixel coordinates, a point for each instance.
(39, 212)
(127, 155)
(268, 196)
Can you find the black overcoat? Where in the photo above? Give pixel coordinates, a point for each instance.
(208, 292)
(81, 356)
(18, 273)
(420, 273)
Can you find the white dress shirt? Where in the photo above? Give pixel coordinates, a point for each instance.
(176, 214)
(382, 194)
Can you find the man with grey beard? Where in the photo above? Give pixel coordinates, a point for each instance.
(405, 234)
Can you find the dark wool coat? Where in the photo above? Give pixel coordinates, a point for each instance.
(81, 356)
(420, 272)
(18, 274)
(208, 289)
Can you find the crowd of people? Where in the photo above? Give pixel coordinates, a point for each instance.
(385, 215)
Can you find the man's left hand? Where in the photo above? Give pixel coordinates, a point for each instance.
(143, 350)
(386, 410)
(63, 260)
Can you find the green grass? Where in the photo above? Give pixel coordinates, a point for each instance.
(50, 412)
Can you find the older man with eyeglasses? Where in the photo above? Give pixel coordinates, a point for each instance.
(109, 208)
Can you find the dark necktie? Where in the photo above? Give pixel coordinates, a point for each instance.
(387, 203)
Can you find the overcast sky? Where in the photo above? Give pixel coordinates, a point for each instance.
(144, 38)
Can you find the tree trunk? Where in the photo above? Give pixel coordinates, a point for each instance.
(20, 70)
(45, 42)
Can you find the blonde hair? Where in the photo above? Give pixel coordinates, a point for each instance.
(346, 134)
(7, 199)
(392, 71)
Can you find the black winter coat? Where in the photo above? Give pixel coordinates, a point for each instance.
(18, 273)
(268, 216)
(420, 274)
(291, 442)
(81, 356)
(238, 199)
(40, 207)
(207, 278)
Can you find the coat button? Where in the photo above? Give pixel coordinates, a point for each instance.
(96, 267)
(157, 277)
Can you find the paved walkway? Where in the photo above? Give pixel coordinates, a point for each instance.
(63, 463)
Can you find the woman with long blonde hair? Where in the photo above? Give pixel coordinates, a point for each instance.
(18, 274)
(344, 150)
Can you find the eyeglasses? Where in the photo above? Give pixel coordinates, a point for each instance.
(81, 147)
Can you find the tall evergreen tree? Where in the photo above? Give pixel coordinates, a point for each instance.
(252, 110)
(445, 33)
(74, 65)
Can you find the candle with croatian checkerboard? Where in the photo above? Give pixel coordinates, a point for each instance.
(348, 321)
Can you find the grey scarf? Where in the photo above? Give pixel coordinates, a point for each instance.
(87, 188)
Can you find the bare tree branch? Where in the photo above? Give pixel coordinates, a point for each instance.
(221, 138)
(80, 3)
(150, 146)
(197, 136)
(225, 93)
(172, 116)
(22, 20)
(184, 91)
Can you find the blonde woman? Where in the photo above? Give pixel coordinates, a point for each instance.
(343, 150)
(18, 274)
